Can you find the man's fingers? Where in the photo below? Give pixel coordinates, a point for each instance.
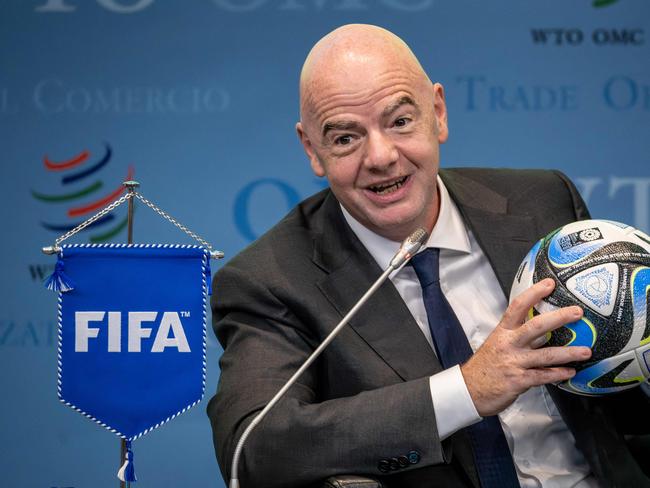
(517, 310)
(538, 326)
(543, 376)
(553, 356)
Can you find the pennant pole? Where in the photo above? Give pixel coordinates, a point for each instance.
(130, 188)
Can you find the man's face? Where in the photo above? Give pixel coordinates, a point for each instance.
(374, 131)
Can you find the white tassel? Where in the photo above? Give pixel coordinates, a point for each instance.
(127, 471)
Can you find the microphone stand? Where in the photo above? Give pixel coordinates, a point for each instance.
(407, 250)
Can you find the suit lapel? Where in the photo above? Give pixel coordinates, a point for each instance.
(504, 238)
(384, 322)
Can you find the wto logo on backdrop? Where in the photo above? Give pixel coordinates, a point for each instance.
(79, 194)
(84, 194)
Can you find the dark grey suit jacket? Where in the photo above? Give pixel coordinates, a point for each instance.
(367, 398)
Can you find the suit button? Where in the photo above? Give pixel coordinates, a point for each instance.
(414, 457)
(384, 466)
(403, 461)
(394, 464)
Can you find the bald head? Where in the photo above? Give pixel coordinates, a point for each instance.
(349, 52)
(371, 123)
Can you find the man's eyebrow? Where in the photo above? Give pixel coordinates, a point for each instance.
(344, 125)
(340, 125)
(405, 100)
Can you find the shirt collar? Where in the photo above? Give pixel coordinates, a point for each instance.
(448, 233)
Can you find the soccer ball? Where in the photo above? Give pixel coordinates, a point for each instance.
(604, 267)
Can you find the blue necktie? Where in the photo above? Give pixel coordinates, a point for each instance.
(491, 454)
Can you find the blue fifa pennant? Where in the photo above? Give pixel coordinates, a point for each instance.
(132, 332)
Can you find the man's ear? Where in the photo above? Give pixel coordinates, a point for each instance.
(316, 165)
(440, 112)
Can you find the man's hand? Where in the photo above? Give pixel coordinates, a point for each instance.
(507, 364)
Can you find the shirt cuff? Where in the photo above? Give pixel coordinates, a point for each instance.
(452, 403)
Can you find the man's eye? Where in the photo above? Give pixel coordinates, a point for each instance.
(401, 122)
(343, 140)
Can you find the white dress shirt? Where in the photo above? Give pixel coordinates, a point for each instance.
(542, 446)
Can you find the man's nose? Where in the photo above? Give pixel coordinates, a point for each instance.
(381, 151)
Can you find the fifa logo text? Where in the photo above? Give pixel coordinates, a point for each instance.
(170, 332)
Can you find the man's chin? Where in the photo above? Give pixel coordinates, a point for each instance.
(394, 229)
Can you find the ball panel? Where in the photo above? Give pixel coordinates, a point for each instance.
(610, 375)
(620, 225)
(596, 287)
(617, 377)
(643, 237)
(567, 248)
(560, 337)
(643, 356)
(583, 333)
(640, 294)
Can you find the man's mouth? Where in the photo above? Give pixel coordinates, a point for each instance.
(390, 187)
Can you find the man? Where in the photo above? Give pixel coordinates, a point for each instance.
(380, 400)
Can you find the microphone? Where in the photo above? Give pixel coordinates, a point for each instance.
(409, 247)
(406, 251)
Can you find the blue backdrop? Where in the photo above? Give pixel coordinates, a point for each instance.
(199, 99)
